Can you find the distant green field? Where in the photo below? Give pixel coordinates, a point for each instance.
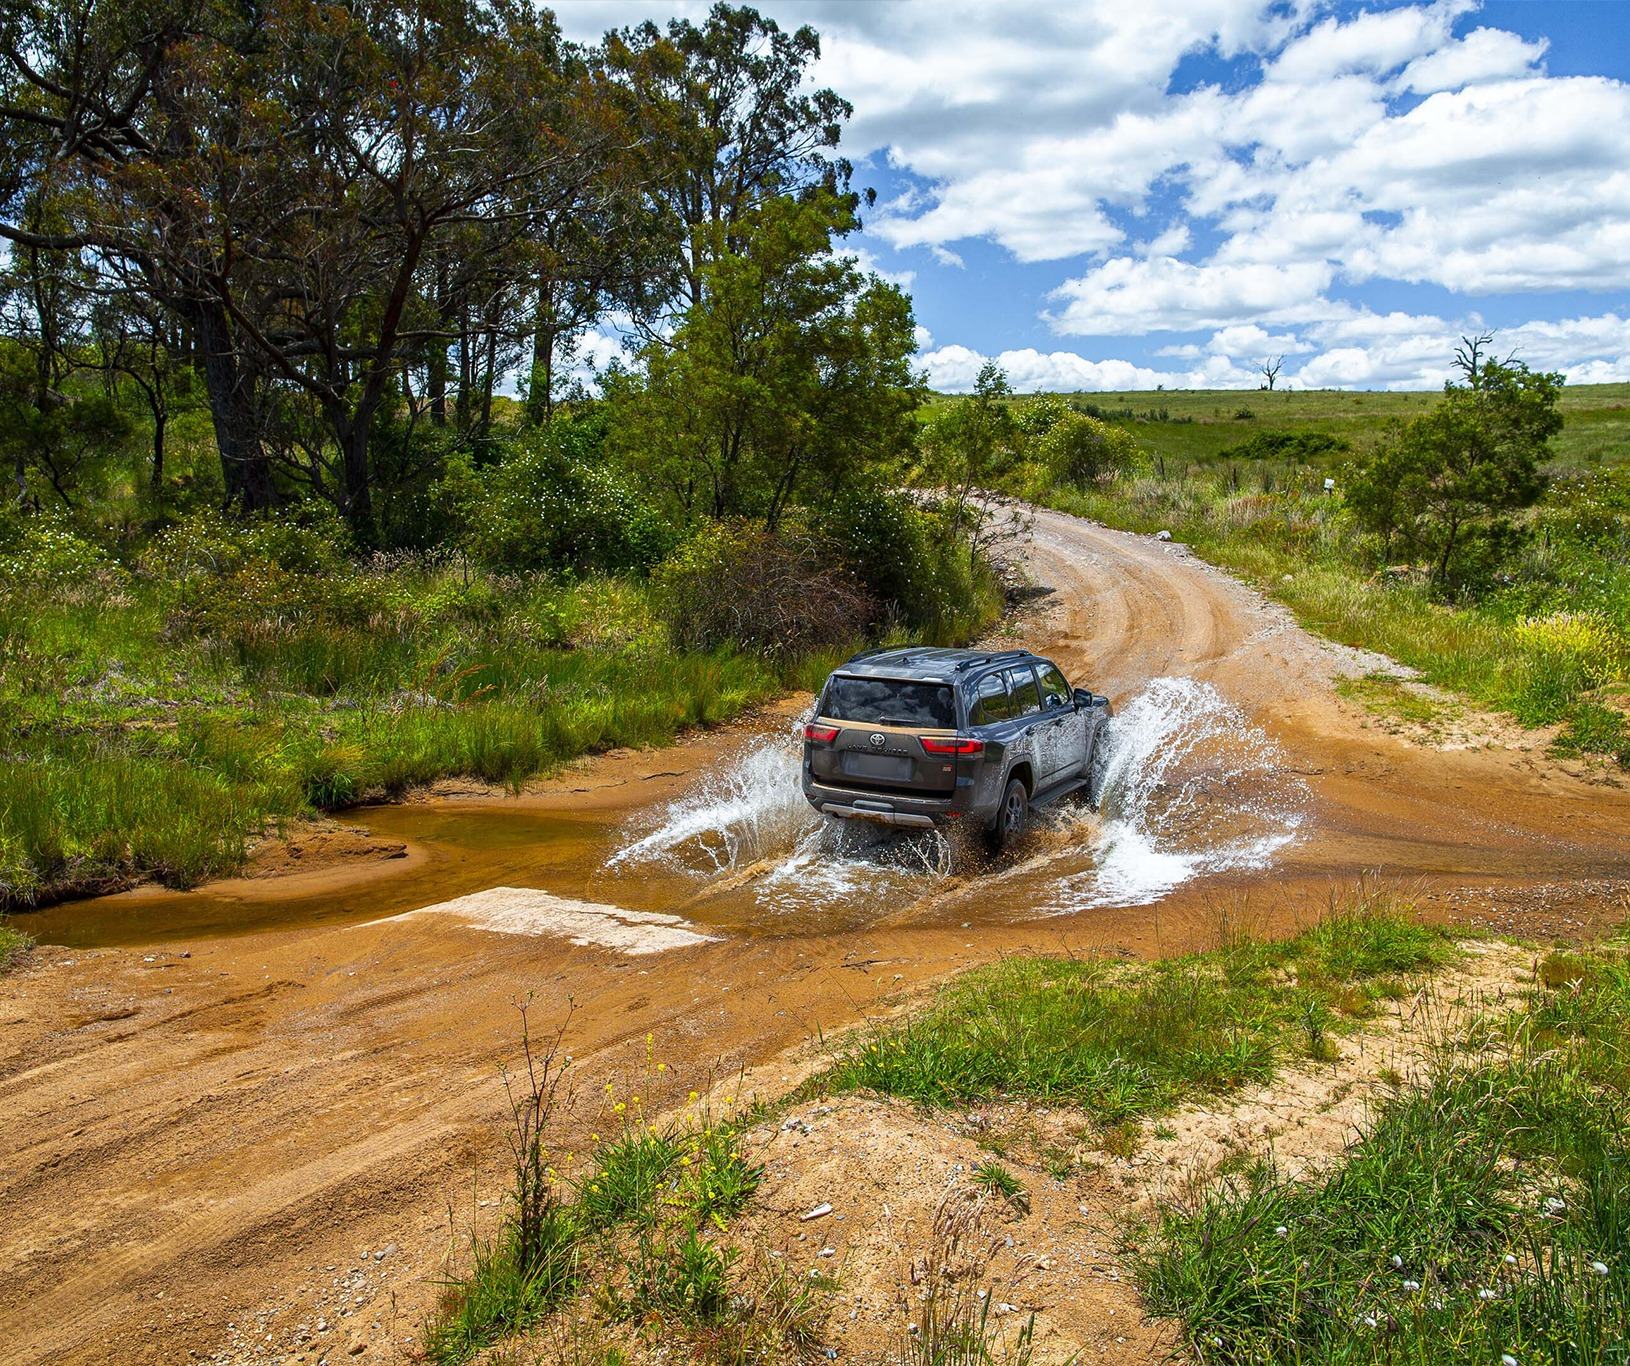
(1198, 424)
(1195, 425)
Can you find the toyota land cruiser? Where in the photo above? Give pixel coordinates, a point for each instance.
(917, 737)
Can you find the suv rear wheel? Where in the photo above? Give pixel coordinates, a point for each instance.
(1011, 815)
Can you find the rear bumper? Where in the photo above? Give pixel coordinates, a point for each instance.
(888, 808)
(908, 819)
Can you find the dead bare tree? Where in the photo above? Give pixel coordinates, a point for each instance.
(1469, 357)
(1270, 371)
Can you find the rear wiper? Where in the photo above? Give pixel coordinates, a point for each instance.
(896, 721)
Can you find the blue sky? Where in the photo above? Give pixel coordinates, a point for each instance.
(1102, 194)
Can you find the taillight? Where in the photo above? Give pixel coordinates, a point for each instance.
(818, 734)
(954, 744)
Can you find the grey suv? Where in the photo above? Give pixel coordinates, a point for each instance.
(915, 737)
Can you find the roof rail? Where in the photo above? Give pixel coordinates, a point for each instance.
(867, 654)
(992, 657)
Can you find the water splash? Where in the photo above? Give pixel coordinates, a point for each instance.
(1189, 786)
(745, 812)
(750, 822)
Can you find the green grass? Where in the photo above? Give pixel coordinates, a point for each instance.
(1130, 1039)
(504, 1292)
(161, 707)
(149, 736)
(1548, 643)
(993, 1177)
(643, 1229)
(1200, 424)
(13, 945)
(1386, 695)
(1485, 1214)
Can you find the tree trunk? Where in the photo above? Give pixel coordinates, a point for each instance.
(160, 420)
(245, 470)
(359, 502)
(437, 383)
(1443, 560)
(466, 374)
(436, 365)
(489, 379)
(540, 393)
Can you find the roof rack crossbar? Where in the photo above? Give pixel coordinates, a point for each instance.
(992, 658)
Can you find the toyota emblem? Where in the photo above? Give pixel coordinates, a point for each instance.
(878, 740)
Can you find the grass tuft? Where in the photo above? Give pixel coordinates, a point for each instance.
(506, 1290)
(1485, 1214)
(1126, 1040)
(992, 1176)
(14, 946)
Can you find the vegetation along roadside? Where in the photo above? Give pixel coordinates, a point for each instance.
(1477, 1210)
(1480, 536)
(278, 539)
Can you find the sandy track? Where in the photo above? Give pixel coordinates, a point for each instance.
(1133, 608)
(187, 1144)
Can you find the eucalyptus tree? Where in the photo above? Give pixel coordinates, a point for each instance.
(279, 177)
(789, 381)
(727, 123)
(1446, 483)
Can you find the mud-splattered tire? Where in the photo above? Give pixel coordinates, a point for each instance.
(1011, 816)
(1093, 769)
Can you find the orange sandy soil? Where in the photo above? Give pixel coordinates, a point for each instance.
(200, 1140)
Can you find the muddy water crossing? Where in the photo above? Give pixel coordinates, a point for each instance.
(1186, 787)
(215, 1118)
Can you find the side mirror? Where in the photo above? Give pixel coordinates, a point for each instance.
(1083, 697)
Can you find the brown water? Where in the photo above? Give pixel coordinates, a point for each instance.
(464, 849)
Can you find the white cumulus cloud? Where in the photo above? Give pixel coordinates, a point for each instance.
(1335, 158)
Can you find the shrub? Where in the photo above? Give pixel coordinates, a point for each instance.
(906, 554)
(47, 555)
(1078, 449)
(780, 593)
(1286, 445)
(303, 538)
(1585, 644)
(546, 506)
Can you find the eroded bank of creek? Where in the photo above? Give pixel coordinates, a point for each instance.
(1185, 787)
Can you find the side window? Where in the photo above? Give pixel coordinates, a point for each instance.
(1022, 683)
(991, 702)
(1055, 692)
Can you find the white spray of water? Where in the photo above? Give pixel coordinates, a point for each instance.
(747, 811)
(1189, 787)
(751, 816)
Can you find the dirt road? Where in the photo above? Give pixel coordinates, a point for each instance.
(210, 1144)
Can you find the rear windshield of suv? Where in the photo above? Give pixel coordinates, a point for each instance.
(890, 702)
